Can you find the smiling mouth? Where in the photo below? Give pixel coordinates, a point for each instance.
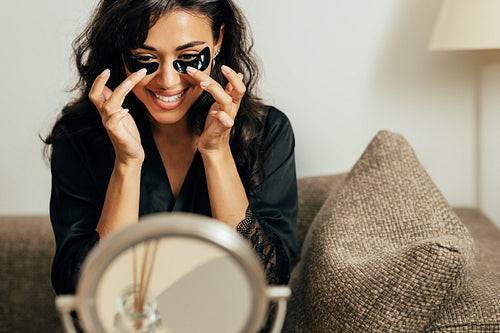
(170, 99)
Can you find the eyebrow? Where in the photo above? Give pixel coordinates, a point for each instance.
(178, 48)
(188, 45)
(146, 47)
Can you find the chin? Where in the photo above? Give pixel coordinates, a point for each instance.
(167, 118)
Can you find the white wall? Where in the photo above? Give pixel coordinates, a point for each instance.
(340, 69)
(35, 39)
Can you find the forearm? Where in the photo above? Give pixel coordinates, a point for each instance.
(121, 205)
(228, 199)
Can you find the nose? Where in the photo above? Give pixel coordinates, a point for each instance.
(167, 77)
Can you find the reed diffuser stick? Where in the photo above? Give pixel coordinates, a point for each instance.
(134, 272)
(146, 271)
(149, 271)
(143, 271)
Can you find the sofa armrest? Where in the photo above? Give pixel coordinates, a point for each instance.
(26, 250)
(312, 193)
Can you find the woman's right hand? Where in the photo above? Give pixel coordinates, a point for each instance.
(119, 124)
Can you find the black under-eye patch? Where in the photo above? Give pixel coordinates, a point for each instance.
(134, 64)
(200, 62)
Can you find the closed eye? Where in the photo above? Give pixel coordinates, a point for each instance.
(143, 59)
(188, 57)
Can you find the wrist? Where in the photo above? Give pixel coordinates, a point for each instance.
(127, 167)
(129, 159)
(217, 145)
(216, 155)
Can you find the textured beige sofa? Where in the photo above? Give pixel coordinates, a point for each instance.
(479, 308)
(330, 302)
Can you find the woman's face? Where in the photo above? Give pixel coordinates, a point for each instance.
(166, 93)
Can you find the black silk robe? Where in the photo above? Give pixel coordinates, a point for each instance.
(80, 176)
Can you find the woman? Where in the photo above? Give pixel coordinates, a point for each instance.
(167, 120)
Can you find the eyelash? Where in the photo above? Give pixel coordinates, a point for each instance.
(148, 59)
(189, 56)
(143, 59)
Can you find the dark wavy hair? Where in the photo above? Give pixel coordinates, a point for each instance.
(120, 25)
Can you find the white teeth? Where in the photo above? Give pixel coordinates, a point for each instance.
(171, 98)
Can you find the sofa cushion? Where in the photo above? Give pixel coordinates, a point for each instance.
(385, 253)
(477, 308)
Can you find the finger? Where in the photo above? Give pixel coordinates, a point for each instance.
(115, 100)
(222, 98)
(236, 81)
(238, 87)
(224, 119)
(229, 87)
(96, 94)
(200, 76)
(106, 92)
(113, 121)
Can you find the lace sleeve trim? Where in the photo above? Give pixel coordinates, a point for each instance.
(267, 246)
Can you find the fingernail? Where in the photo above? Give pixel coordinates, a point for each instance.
(126, 84)
(226, 69)
(240, 75)
(213, 112)
(123, 111)
(204, 84)
(105, 73)
(191, 69)
(142, 72)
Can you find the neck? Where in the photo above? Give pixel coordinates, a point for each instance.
(172, 134)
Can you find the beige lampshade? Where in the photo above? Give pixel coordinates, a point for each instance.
(467, 25)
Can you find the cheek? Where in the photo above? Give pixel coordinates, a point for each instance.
(190, 80)
(146, 80)
(141, 87)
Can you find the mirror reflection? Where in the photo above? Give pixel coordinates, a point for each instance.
(178, 288)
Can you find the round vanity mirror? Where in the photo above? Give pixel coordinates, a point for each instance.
(173, 272)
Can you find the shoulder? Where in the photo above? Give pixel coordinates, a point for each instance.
(79, 123)
(277, 127)
(276, 117)
(79, 137)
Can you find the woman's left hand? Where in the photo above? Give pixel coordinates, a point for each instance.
(220, 118)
